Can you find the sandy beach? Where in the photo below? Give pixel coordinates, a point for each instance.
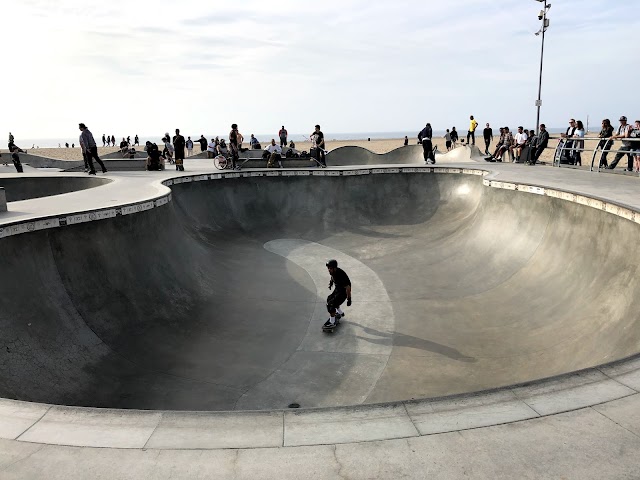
(376, 146)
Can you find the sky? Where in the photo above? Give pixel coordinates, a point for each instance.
(146, 67)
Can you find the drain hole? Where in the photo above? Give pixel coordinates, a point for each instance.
(294, 405)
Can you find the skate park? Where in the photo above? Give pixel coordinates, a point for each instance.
(172, 318)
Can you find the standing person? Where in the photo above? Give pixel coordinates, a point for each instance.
(211, 148)
(487, 133)
(178, 146)
(104, 140)
(624, 131)
(341, 292)
(425, 133)
(113, 140)
(189, 145)
(578, 145)
(473, 124)
(234, 143)
(203, 143)
(128, 140)
(84, 151)
(406, 140)
(319, 136)
(427, 150)
(86, 138)
(15, 158)
(605, 142)
(447, 140)
(568, 145)
(136, 140)
(635, 146)
(454, 137)
(168, 148)
(283, 136)
(11, 139)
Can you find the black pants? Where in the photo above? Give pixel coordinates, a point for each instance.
(604, 144)
(623, 150)
(16, 162)
(539, 151)
(337, 298)
(92, 152)
(320, 156)
(471, 135)
(427, 150)
(568, 152)
(283, 141)
(487, 142)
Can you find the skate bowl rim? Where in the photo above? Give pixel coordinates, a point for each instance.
(156, 429)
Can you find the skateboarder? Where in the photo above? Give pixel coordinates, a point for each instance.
(341, 292)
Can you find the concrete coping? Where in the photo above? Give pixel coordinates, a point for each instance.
(175, 430)
(3, 200)
(136, 429)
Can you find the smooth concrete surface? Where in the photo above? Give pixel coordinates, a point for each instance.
(598, 440)
(31, 186)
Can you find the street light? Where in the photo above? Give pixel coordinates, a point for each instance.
(542, 16)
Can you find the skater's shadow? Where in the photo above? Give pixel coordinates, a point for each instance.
(409, 341)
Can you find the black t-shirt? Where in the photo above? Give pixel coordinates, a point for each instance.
(341, 279)
(319, 142)
(487, 132)
(178, 142)
(233, 137)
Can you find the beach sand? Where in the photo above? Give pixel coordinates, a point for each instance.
(376, 146)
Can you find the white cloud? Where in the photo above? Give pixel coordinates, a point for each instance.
(147, 67)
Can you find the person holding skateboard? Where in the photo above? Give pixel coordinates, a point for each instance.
(341, 292)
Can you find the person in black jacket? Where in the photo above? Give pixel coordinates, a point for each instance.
(542, 142)
(341, 292)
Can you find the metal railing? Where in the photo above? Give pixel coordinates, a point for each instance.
(567, 147)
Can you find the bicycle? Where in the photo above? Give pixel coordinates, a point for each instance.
(223, 162)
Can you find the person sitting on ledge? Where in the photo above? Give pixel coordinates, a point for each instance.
(275, 152)
(255, 144)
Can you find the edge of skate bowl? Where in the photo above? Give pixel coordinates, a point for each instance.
(27, 187)
(93, 427)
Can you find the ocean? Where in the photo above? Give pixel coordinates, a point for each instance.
(27, 143)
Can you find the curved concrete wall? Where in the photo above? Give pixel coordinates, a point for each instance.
(25, 187)
(182, 307)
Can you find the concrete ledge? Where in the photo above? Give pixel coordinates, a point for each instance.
(3, 200)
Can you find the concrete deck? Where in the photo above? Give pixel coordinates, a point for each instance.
(510, 298)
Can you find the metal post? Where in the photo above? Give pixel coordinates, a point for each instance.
(539, 102)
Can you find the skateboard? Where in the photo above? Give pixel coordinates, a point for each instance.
(332, 328)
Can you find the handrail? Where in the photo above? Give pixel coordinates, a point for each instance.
(604, 149)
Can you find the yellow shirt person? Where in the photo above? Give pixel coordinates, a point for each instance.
(471, 133)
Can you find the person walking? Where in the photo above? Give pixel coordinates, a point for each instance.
(473, 124)
(487, 133)
(86, 139)
(178, 147)
(283, 136)
(104, 140)
(342, 291)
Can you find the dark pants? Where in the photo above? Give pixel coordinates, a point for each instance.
(604, 144)
(471, 135)
(337, 298)
(320, 156)
(539, 151)
(568, 152)
(16, 162)
(623, 150)
(427, 150)
(487, 142)
(283, 141)
(92, 152)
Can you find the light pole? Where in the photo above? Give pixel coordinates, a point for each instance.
(542, 16)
